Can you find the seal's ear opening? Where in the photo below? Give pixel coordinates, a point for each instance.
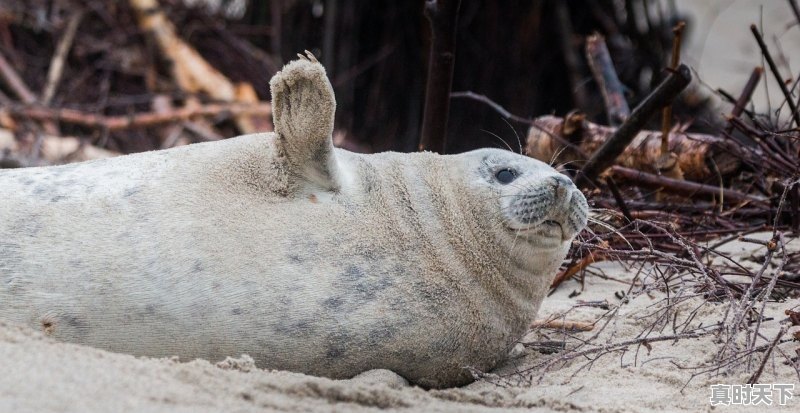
(303, 107)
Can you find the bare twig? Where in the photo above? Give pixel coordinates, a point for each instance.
(745, 96)
(15, 82)
(620, 200)
(795, 10)
(769, 288)
(775, 72)
(666, 115)
(627, 343)
(754, 378)
(611, 88)
(57, 63)
(499, 109)
(681, 187)
(574, 269)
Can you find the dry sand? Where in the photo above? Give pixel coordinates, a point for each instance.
(38, 374)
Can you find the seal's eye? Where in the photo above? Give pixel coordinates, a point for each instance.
(505, 176)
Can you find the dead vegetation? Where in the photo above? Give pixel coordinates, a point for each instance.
(666, 203)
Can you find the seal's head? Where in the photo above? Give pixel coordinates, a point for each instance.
(534, 202)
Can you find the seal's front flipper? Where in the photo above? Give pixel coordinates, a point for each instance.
(303, 108)
(381, 376)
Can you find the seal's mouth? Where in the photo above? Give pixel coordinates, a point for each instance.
(549, 229)
(551, 222)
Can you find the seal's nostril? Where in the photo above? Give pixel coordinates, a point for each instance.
(562, 186)
(562, 180)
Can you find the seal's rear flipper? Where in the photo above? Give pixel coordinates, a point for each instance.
(303, 108)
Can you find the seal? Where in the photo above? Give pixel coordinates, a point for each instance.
(308, 258)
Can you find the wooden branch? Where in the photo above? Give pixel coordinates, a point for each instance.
(57, 63)
(666, 114)
(745, 96)
(190, 70)
(695, 152)
(664, 93)
(619, 199)
(574, 269)
(775, 72)
(443, 18)
(141, 120)
(562, 325)
(15, 82)
(681, 187)
(605, 76)
(667, 162)
(494, 105)
(757, 374)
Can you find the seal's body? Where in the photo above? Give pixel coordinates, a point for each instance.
(306, 257)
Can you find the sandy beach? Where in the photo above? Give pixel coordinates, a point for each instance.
(42, 375)
(642, 330)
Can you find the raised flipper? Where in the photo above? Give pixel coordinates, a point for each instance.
(303, 108)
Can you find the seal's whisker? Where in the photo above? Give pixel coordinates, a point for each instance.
(556, 154)
(610, 228)
(565, 163)
(519, 141)
(498, 138)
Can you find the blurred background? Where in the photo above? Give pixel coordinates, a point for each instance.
(527, 56)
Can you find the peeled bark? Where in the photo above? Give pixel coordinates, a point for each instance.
(697, 154)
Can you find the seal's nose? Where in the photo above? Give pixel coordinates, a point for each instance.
(570, 208)
(563, 186)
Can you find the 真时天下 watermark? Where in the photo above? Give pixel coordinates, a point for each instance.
(751, 395)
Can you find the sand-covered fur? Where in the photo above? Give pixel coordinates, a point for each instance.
(307, 258)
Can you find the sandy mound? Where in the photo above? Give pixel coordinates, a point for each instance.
(41, 375)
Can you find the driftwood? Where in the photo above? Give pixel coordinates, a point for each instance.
(775, 72)
(605, 76)
(54, 149)
(745, 96)
(563, 325)
(140, 120)
(191, 71)
(698, 154)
